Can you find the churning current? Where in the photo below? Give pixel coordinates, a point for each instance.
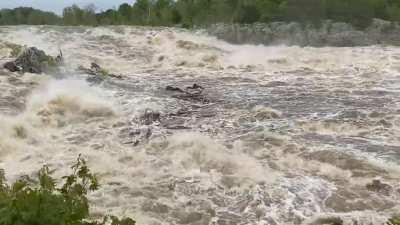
(198, 131)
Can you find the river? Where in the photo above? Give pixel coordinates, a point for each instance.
(272, 135)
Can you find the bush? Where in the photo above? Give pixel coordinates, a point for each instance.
(394, 221)
(40, 202)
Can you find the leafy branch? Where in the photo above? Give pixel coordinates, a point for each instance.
(40, 202)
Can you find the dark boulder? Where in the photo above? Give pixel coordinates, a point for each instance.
(33, 60)
(379, 187)
(11, 67)
(191, 93)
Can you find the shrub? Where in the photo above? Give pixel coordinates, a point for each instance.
(40, 202)
(394, 221)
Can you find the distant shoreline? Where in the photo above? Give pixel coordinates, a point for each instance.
(189, 14)
(328, 33)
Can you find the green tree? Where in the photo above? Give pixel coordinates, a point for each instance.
(89, 15)
(393, 12)
(164, 13)
(312, 11)
(191, 13)
(109, 17)
(142, 12)
(125, 11)
(72, 15)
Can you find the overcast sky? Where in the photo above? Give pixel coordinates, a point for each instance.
(58, 5)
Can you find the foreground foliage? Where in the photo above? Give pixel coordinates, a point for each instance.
(202, 12)
(40, 202)
(394, 221)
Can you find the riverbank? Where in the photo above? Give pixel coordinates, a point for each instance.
(329, 33)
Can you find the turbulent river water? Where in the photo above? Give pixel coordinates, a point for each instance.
(279, 135)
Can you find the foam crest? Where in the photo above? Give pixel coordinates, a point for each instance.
(69, 100)
(197, 155)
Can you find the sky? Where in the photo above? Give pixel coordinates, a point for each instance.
(58, 5)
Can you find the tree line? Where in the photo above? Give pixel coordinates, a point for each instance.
(189, 13)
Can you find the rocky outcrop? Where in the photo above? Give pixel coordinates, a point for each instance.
(329, 33)
(97, 74)
(191, 93)
(33, 60)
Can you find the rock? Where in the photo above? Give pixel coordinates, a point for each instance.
(95, 79)
(191, 93)
(33, 60)
(172, 88)
(60, 58)
(190, 89)
(161, 58)
(11, 67)
(195, 87)
(96, 73)
(95, 67)
(379, 187)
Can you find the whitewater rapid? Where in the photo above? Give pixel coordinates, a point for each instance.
(280, 135)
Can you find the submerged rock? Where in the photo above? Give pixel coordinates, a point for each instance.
(191, 93)
(97, 74)
(379, 187)
(172, 88)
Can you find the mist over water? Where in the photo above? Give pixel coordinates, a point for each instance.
(280, 135)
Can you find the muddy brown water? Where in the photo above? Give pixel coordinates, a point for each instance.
(276, 135)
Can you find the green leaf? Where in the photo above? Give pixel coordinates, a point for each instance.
(40, 202)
